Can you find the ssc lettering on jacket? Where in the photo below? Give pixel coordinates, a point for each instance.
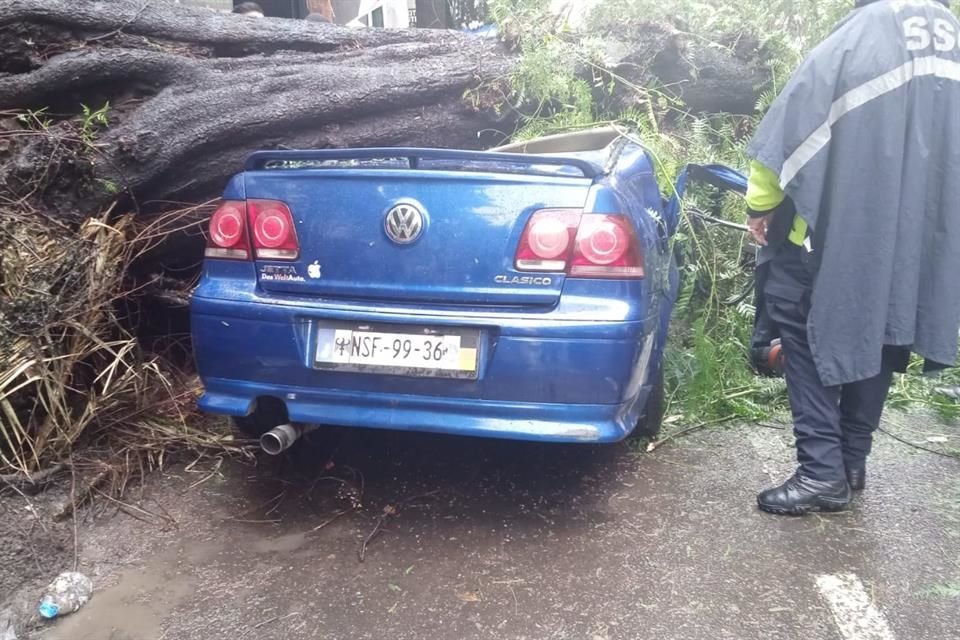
(921, 34)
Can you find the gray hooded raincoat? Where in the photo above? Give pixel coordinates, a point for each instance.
(866, 141)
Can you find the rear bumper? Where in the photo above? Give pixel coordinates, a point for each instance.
(508, 420)
(540, 378)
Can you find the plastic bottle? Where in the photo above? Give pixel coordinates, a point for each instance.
(66, 594)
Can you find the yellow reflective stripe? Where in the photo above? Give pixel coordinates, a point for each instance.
(763, 188)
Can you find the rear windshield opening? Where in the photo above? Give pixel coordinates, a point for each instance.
(345, 163)
(431, 164)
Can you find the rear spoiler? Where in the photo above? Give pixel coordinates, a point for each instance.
(433, 159)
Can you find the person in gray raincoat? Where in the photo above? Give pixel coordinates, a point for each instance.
(854, 192)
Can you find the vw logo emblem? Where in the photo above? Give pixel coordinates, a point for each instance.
(404, 223)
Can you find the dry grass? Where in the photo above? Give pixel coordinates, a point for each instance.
(78, 390)
(71, 369)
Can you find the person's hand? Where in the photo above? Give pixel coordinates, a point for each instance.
(758, 228)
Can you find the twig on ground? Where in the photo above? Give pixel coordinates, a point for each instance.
(376, 530)
(352, 493)
(263, 505)
(390, 510)
(128, 508)
(429, 494)
(516, 602)
(283, 496)
(27, 534)
(33, 479)
(332, 519)
(32, 509)
(276, 619)
(216, 470)
(274, 521)
(78, 500)
(325, 478)
(676, 434)
(73, 505)
(919, 446)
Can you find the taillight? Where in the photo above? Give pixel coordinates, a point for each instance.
(547, 240)
(274, 237)
(228, 232)
(270, 230)
(584, 245)
(606, 247)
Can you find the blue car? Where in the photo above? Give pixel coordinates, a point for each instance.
(522, 293)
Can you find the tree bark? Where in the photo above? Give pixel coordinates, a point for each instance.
(706, 77)
(193, 92)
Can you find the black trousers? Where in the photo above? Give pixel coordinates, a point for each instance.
(833, 426)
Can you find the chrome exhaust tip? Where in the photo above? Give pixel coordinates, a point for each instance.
(281, 438)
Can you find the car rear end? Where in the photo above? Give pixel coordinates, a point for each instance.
(457, 292)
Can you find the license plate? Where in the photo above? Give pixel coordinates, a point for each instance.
(413, 351)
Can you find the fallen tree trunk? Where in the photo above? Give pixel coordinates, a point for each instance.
(706, 76)
(192, 92)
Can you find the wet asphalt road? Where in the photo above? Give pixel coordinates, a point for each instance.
(488, 539)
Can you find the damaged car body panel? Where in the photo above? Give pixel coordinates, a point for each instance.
(522, 293)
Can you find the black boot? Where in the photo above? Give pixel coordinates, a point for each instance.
(800, 495)
(857, 478)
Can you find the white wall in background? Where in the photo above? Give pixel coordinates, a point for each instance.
(396, 13)
(216, 5)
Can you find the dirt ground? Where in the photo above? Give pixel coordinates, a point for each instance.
(465, 538)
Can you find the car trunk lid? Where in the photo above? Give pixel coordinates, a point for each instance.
(422, 226)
